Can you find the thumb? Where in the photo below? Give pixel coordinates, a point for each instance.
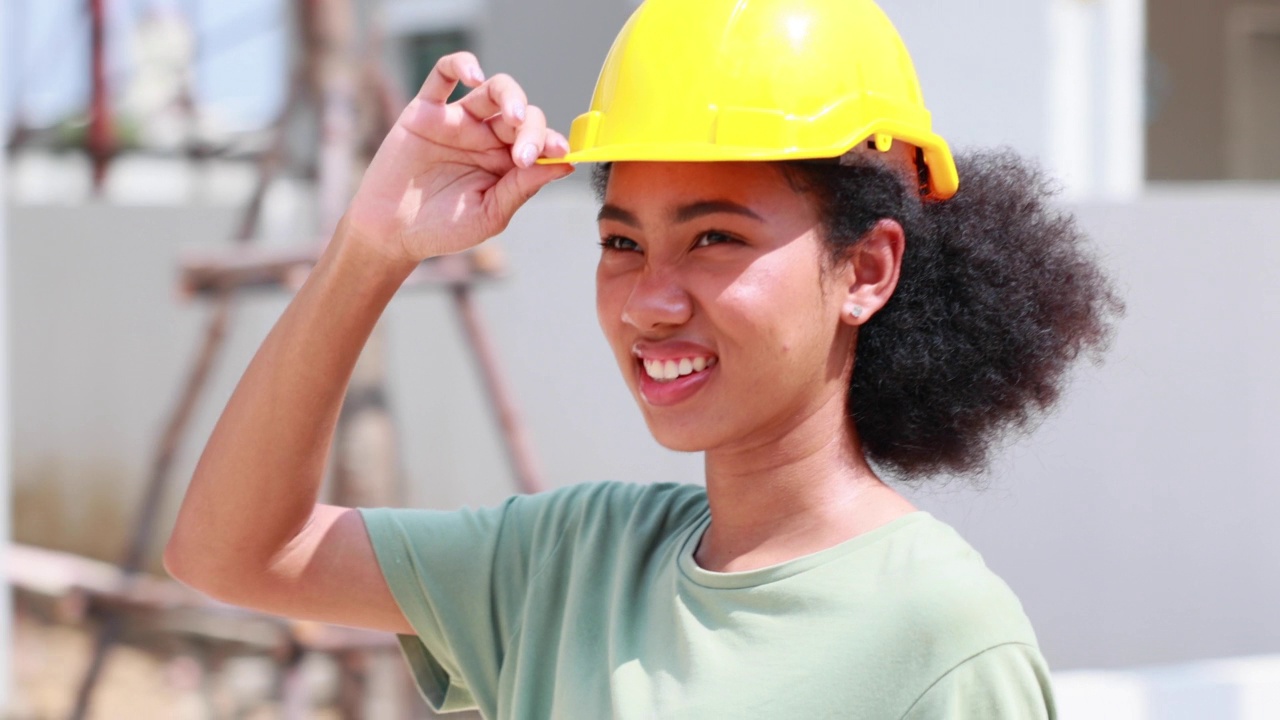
(517, 186)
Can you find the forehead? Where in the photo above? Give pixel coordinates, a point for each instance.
(660, 188)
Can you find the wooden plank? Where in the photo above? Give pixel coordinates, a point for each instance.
(171, 607)
(251, 268)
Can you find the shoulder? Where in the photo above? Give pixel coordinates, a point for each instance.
(1006, 681)
(612, 497)
(541, 524)
(597, 504)
(538, 525)
(605, 512)
(937, 605)
(954, 631)
(949, 593)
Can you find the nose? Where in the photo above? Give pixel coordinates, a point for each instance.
(658, 300)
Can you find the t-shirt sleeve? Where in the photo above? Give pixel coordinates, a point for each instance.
(461, 579)
(1006, 682)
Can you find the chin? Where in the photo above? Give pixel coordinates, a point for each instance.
(676, 438)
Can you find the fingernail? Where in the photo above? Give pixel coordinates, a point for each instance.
(517, 111)
(527, 155)
(476, 76)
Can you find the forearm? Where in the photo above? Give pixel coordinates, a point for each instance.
(256, 485)
(445, 179)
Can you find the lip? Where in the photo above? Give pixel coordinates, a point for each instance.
(670, 350)
(671, 392)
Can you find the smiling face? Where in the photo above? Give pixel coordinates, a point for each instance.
(716, 295)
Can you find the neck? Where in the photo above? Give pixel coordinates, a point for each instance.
(795, 495)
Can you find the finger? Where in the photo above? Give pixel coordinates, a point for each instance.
(483, 102)
(556, 145)
(448, 72)
(516, 187)
(501, 97)
(530, 138)
(508, 133)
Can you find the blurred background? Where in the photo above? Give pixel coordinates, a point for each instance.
(170, 167)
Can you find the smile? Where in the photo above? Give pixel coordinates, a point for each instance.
(668, 370)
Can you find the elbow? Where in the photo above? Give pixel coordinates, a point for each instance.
(195, 565)
(223, 571)
(183, 565)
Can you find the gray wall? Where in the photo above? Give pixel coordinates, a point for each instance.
(1138, 524)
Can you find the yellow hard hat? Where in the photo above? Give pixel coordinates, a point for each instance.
(709, 80)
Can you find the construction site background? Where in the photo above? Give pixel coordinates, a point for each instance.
(1137, 525)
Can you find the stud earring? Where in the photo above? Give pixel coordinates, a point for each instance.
(856, 311)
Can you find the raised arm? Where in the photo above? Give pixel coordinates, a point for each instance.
(250, 532)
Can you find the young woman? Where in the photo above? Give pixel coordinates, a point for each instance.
(823, 310)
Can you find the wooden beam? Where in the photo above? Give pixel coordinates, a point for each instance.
(168, 606)
(251, 268)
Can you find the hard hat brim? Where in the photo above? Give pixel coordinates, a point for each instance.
(943, 178)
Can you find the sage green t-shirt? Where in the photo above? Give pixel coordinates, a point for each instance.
(586, 602)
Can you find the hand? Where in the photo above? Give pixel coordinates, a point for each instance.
(449, 176)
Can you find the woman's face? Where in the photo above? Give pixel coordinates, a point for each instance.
(712, 292)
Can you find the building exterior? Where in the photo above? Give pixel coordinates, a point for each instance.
(1214, 90)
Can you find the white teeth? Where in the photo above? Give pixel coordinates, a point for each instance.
(666, 370)
(670, 371)
(653, 368)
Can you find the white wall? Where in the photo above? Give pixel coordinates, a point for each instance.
(983, 67)
(1062, 81)
(1137, 525)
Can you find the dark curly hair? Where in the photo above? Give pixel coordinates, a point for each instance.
(999, 293)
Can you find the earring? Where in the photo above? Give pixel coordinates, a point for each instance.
(856, 311)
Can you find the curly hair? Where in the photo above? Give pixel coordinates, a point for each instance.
(998, 295)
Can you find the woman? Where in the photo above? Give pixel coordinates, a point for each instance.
(825, 307)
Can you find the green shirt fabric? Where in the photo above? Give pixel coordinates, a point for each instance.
(586, 602)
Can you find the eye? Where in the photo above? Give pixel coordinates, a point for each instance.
(619, 243)
(714, 237)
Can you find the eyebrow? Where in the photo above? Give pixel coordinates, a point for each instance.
(613, 212)
(683, 214)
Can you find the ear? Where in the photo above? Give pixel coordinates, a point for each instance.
(871, 271)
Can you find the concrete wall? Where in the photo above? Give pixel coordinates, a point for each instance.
(100, 343)
(1138, 525)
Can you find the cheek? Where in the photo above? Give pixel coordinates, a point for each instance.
(610, 297)
(782, 310)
